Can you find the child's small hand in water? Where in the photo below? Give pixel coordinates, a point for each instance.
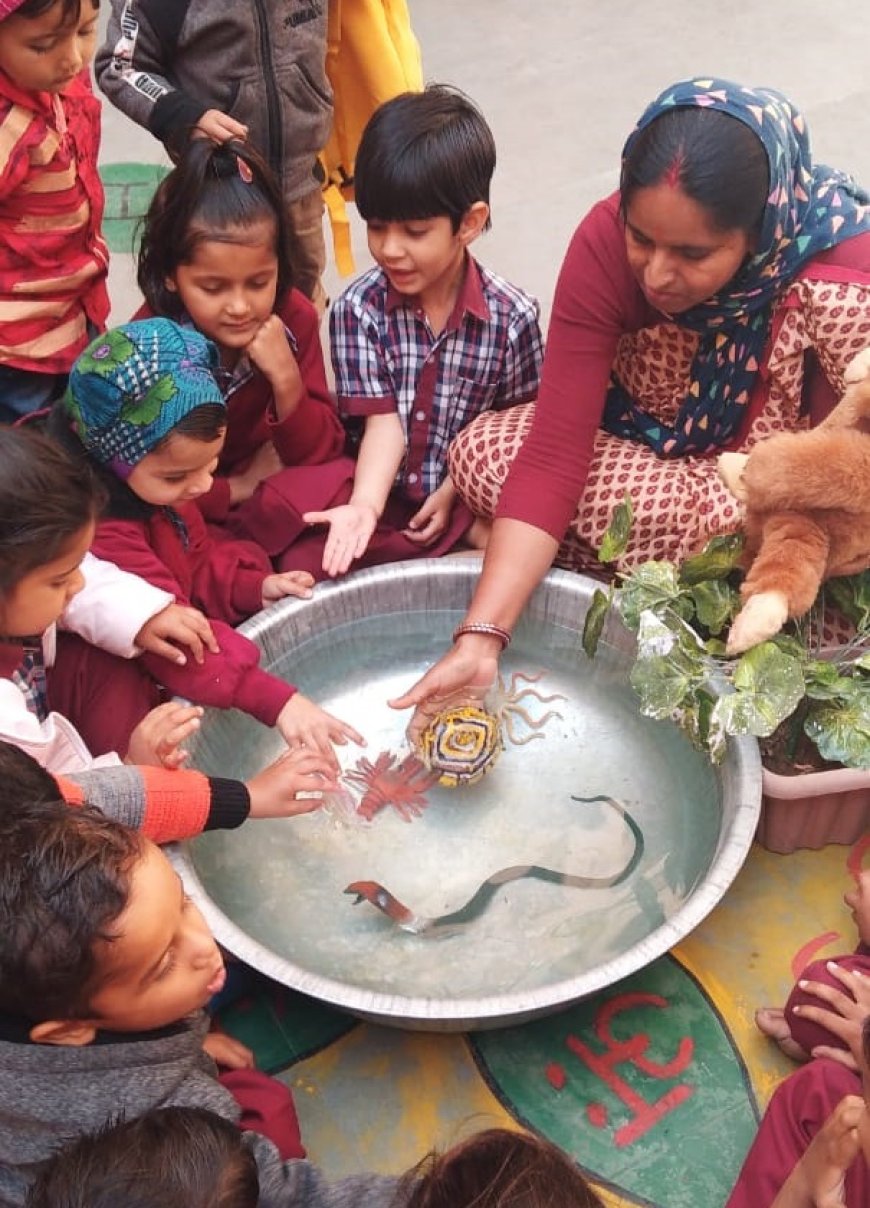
(350, 529)
(219, 126)
(433, 517)
(274, 791)
(158, 737)
(178, 625)
(270, 351)
(289, 583)
(304, 724)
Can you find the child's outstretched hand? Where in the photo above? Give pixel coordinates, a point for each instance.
(289, 583)
(178, 625)
(819, 1179)
(350, 529)
(274, 791)
(218, 125)
(429, 522)
(158, 737)
(304, 724)
(270, 351)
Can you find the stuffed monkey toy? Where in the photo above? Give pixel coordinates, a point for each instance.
(807, 511)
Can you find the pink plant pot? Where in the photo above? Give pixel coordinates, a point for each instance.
(813, 809)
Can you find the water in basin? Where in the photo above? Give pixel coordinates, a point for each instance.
(282, 882)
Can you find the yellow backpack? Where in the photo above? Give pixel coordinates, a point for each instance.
(371, 56)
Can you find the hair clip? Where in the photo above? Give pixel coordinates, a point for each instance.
(244, 170)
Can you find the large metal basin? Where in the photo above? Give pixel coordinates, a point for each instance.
(274, 891)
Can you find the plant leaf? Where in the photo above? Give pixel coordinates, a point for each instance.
(716, 560)
(593, 623)
(842, 734)
(653, 586)
(618, 531)
(715, 604)
(768, 686)
(851, 595)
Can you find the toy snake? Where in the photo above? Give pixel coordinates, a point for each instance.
(404, 917)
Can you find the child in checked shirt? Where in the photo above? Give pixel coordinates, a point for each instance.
(429, 338)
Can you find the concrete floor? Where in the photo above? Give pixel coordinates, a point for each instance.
(563, 83)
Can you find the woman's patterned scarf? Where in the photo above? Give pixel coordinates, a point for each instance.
(809, 209)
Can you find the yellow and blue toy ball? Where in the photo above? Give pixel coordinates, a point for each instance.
(461, 745)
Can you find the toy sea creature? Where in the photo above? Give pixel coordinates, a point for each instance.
(463, 742)
(391, 780)
(460, 745)
(405, 918)
(504, 702)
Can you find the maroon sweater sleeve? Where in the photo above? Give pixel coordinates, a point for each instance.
(227, 574)
(597, 300)
(313, 433)
(230, 679)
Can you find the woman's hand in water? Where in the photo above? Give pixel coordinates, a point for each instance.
(273, 791)
(288, 583)
(304, 724)
(270, 351)
(158, 737)
(462, 676)
(350, 529)
(177, 625)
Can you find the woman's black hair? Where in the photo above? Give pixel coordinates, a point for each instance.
(714, 158)
(46, 499)
(214, 191)
(424, 155)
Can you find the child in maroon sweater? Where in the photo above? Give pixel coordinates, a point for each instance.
(145, 408)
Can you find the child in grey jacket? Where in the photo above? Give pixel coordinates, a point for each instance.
(232, 69)
(105, 967)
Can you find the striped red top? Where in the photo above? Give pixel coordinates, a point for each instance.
(53, 258)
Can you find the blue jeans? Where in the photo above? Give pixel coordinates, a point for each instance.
(22, 392)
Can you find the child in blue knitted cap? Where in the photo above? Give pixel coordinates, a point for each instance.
(145, 409)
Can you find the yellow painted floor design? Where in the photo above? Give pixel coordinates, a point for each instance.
(631, 1082)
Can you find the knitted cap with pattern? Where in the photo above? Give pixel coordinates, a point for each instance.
(134, 384)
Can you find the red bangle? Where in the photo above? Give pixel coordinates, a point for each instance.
(485, 627)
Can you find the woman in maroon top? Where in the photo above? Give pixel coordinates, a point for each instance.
(715, 299)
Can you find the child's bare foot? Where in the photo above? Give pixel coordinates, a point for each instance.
(771, 1021)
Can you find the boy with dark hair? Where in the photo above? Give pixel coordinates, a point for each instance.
(428, 339)
(173, 1157)
(105, 966)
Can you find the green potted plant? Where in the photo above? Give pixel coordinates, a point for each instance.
(808, 706)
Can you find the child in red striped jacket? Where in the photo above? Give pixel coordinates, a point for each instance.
(53, 258)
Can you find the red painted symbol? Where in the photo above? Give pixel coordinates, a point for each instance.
(808, 952)
(619, 1052)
